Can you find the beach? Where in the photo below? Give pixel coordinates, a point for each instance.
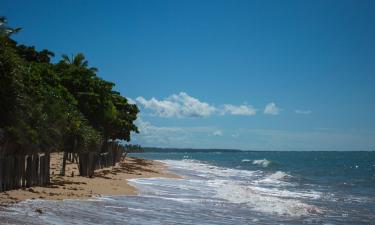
(108, 181)
(218, 187)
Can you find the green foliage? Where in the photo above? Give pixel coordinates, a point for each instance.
(63, 106)
(133, 148)
(5, 30)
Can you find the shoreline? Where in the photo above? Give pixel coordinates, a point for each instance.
(108, 181)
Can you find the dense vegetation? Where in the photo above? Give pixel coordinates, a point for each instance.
(61, 106)
(130, 148)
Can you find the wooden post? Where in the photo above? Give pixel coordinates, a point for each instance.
(10, 172)
(83, 158)
(48, 161)
(23, 174)
(41, 170)
(29, 174)
(1, 174)
(80, 164)
(65, 156)
(16, 171)
(7, 168)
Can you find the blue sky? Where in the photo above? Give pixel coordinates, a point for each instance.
(260, 75)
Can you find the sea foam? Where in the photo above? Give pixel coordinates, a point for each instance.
(258, 162)
(262, 162)
(264, 200)
(260, 191)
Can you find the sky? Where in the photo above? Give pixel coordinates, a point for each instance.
(251, 75)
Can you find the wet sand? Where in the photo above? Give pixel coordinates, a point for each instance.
(109, 181)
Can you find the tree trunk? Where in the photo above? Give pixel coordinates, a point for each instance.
(124, 155)
(62, 171)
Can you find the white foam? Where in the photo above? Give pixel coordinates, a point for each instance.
(263, 200)
(261, 162)
(115, 207)
(101, 198)
(139, 210)
(278, 178)
(208, 171)
(278, 175)
(258, 190)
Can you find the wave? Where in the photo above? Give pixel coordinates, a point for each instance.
(192, 167)
(258, 162)
(271, 201)
(262, 162)
(258, 190)
(276, 179)
(279, 175)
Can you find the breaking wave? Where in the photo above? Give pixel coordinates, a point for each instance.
(258, 162)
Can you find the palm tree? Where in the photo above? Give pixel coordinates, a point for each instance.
(78, 60)
(5, 30)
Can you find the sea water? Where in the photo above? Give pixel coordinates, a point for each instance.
(229, 188)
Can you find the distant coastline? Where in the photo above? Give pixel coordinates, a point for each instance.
(167, 150)
(159, 149)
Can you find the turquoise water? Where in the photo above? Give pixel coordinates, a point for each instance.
(350, 171)
(336, 187)
(230, 188)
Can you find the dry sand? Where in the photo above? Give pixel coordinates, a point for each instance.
(109, 181)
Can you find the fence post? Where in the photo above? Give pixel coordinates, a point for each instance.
(41, 170)
(29, 174)
(48, 161)
(1, 174)
(16, 171)
(23, 174)
(6, 177)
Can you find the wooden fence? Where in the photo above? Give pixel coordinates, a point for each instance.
(91, 161)
(18, 171)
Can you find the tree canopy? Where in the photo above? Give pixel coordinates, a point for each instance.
(47, 106)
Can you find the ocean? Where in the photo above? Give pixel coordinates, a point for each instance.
(229, 188)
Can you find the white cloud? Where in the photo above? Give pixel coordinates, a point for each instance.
(182, 105)
(155, 135)
(305, 112)
(131, 101)
(178, 105)
(271, 109)
(172, 136)
(244, 110)
(217, 133)
(252, 139)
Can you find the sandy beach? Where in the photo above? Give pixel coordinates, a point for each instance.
(109, 181)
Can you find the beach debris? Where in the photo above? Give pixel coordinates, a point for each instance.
(32, 190)
(39, 210)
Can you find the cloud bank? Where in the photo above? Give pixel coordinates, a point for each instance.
(177, 105)
(183, 105)
(243, 110)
